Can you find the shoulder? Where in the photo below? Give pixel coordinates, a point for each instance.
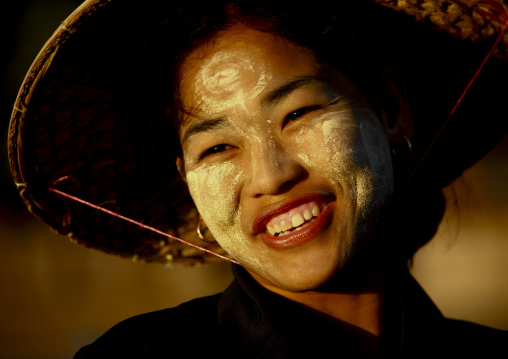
(427, 333)
(477, 338)
(166, 333)
(451, 338)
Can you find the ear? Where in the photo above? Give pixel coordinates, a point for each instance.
(393, 107)
(180, 166)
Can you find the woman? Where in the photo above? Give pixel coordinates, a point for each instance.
(292, 131)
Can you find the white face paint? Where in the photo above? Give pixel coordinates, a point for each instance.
(272, 130)
(206, 184)
(218, 80)
(353, 150)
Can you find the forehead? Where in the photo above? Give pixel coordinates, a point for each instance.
(245, 39)
(242, 54)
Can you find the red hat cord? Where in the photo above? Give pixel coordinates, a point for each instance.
(76, 199)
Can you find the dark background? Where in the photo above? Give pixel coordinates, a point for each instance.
(56, 297)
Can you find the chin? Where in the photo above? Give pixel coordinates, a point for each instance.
(299, 273)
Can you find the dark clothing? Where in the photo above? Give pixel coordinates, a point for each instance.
(248, 321)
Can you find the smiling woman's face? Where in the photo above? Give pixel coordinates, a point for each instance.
(285, 160)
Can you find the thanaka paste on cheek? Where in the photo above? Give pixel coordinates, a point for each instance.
(355, 154)
(215, 190)
(212, 188)
(331, 140)
(377, 152)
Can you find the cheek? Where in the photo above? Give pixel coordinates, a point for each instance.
(327, 146)
(378, 162)
(351, 149)
(214, 190)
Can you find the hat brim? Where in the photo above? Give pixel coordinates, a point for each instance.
(83, 124)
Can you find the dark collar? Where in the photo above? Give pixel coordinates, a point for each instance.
(276, 327)
(263, 324)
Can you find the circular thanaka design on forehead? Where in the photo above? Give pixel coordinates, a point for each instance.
(218, 81)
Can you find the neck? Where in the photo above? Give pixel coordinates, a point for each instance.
(362, 310)
(360, 305)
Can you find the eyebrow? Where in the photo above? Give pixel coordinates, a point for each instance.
(280, 93)
(204, 126)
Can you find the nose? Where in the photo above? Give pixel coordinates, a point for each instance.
(272, 170)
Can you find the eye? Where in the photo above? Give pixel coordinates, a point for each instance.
(299, 113)
(214, 150)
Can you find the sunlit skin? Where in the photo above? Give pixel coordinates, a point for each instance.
(267, 124)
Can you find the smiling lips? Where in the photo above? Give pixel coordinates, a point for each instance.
(295, 222)
(295, 219)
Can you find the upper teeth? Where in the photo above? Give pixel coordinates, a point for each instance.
(294, 218)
